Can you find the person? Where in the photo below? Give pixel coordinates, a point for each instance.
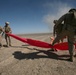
(51, 41)
(68, 30)
(1, 32)
(57, 30)
(7, 29)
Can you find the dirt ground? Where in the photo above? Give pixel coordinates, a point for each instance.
(24, 59)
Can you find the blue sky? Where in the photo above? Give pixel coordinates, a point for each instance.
(33, 16)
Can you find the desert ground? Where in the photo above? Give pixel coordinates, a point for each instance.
(24, 59)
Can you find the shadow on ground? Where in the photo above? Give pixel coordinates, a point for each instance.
(35, 55)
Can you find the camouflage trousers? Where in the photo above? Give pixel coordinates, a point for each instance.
(8, 40)
(0, 40)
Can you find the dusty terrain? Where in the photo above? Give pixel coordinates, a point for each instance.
(24, 59)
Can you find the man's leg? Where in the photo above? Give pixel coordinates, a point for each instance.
(6, 38)
(1, 40)
(9, 40)
(71, 46)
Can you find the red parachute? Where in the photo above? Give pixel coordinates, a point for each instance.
(60, 46)
(32, 42)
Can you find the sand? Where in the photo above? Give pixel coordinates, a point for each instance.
(24, 59)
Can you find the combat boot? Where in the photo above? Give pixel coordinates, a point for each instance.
(10, 45)
(71, 58)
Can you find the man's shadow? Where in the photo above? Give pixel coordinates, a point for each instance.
(35, 55)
